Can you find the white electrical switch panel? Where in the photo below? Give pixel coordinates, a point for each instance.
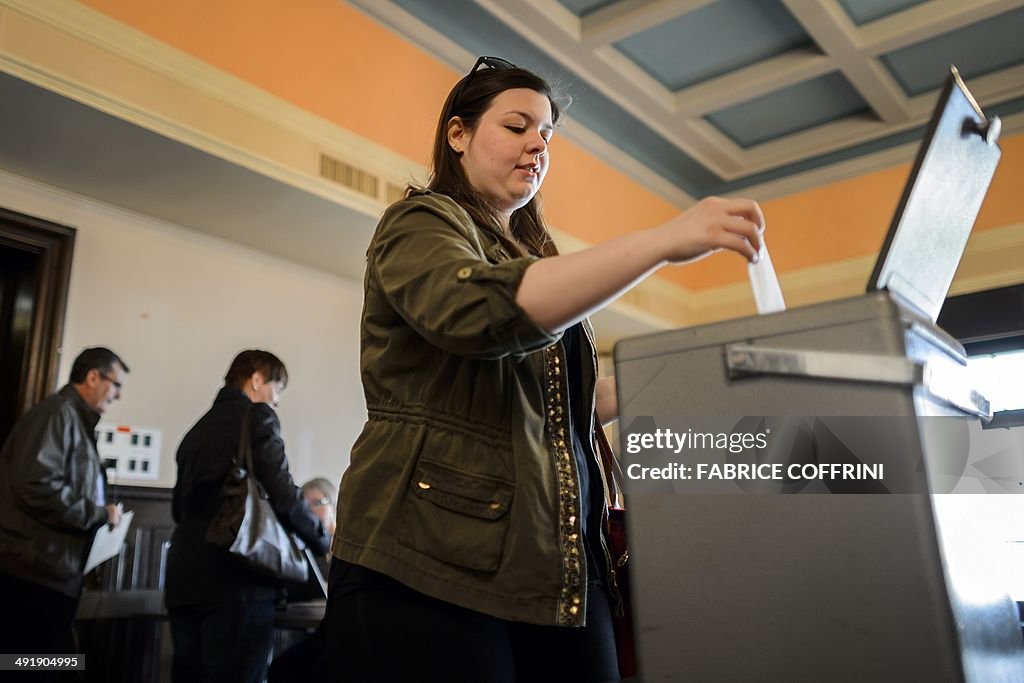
(129, 452)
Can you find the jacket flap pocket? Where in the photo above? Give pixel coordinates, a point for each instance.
(471, 494)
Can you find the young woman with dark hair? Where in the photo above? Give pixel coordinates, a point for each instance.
(471, 544)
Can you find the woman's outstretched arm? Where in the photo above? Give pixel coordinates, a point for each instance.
(559, 291)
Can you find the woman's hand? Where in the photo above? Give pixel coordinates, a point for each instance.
(711, 225)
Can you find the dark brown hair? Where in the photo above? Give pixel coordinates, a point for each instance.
(254, 360)
(469, 99)
(97, 358)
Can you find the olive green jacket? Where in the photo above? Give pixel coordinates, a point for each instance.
(463, 484)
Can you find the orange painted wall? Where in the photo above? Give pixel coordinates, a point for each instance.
(328, 58)
(321, 55)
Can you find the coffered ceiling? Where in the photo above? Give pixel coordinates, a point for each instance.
(699, 97)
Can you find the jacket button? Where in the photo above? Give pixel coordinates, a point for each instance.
(464, 273)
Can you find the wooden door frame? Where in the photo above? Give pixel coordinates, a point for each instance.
(55, 245)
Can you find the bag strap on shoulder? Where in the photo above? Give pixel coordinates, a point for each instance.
(245, 441)
(610, 465)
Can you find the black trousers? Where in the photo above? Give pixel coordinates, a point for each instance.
(377, 629)
(303, 662)
(222, 643)
(37, 620)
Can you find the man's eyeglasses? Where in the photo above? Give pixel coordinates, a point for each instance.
(488, 62)
(117, 385)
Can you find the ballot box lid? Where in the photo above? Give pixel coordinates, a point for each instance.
(940, 202)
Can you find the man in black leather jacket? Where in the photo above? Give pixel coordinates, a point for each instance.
(52, 501)
(221, 611)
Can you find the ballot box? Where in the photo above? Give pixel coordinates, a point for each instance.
(812, 575)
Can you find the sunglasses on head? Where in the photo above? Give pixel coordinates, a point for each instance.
(487, 62)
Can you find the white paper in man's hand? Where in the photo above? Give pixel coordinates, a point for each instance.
(765, 283)
(108, 542)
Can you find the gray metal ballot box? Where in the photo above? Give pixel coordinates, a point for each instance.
(760, 586)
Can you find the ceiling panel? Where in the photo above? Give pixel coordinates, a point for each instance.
(865, 11)
(849, 153)
(978, 49)
(794, 109)
(582, 7)
(718, 38)
(705, 94)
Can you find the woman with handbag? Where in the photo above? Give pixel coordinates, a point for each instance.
(472, 543)
(221, 607)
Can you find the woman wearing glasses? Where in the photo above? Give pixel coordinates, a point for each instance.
(470, 547)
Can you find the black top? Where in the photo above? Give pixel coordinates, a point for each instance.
(591, 493)
(202, 573)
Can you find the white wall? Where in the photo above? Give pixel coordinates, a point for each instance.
(177, 305)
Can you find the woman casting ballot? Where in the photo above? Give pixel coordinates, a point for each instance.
(470, 545)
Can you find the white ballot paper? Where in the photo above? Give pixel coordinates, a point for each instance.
(765, 283)
(108, 542)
